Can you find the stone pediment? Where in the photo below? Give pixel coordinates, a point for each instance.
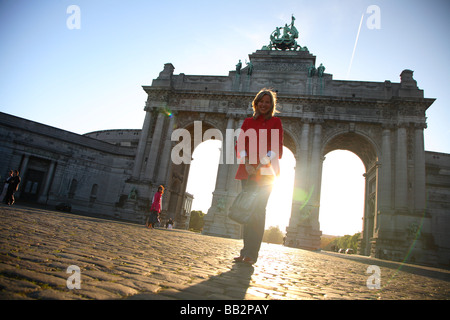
(282, 61)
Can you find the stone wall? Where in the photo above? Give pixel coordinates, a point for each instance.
(438, 202)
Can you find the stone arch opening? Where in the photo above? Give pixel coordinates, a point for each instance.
(366, 150)
(202, 175)
(196, 132)
(342, 194)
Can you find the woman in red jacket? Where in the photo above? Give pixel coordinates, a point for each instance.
(259, 146)
(155, 209)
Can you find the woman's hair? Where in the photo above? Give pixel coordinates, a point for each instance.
(162, 189)
(273, 97)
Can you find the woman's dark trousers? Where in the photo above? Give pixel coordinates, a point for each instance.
(254, 230)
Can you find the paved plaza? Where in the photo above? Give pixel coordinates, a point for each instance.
(48, 254)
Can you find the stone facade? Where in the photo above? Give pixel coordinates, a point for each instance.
(58, 166)
(438, 204)
(406, 193)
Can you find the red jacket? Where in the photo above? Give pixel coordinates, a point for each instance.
(156, 204)
(246, 144)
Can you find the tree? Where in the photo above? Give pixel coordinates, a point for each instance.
(346, 242)
(273, 235)
(196, 221)
(326, 242)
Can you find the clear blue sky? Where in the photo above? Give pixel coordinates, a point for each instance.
(90, 79)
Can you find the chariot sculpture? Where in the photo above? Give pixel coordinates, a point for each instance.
(283, 38)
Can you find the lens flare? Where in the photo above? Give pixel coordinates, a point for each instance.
(416, 233)
(302, 196)
(167, 112)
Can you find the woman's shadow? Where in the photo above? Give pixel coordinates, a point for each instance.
(230, 285)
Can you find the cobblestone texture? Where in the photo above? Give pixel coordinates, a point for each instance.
(120, 260)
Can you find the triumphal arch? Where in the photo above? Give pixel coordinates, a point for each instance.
(381, 122)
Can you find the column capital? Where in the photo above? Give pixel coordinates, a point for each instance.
(400, 125)
(317, 120)
(387, 126)
(232, 115)
(420, 125)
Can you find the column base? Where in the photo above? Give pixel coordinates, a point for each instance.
(303, 237)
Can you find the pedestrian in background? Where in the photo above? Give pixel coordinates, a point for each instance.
(155, 209)
(13, 186)
(169, 224)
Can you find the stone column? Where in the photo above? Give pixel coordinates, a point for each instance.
(141, 146)
(24, 166)
(154, 148)
(419, 169)
(367, 228)
(165, 156)
(401, 169)
(300, 191)
(303, 158)
(315, 174)
(23, 169)
(303, 230)
(377, 212)
(384, 189)
(232, 167)
(227, 146)
(48, 180)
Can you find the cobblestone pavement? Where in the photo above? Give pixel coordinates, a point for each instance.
(119, 260)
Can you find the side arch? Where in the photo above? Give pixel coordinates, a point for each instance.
(366, 149)
(357, 142)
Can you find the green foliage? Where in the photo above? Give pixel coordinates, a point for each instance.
(196, 222)
(346, 242)
(326, 242)
(273, 235)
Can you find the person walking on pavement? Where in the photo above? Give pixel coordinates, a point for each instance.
(259, 170)
(13, 186)
(153, 216)
(169, 224)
